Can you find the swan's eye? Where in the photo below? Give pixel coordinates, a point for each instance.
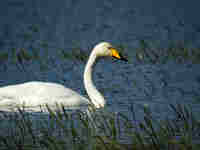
(110, 47)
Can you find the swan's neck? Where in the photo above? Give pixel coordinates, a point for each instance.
(96, 97)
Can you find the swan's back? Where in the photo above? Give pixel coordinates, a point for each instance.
(40, 93)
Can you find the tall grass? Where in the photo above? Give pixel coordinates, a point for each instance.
(62, 129)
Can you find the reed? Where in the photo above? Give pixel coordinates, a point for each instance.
(62, 129)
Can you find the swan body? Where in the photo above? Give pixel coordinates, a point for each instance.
(36, 93)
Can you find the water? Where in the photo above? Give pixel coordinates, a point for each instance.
(78, 24)
(144, 85)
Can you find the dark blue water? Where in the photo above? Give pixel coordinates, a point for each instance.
(72, 25)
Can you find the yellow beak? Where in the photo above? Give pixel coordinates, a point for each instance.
(115, 53)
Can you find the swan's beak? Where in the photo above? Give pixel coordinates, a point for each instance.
(117, 55)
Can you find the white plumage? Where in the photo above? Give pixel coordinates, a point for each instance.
(37, 93)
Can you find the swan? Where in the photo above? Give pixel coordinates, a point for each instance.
(37, 93)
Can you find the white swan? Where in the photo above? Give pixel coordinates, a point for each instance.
(35, 93)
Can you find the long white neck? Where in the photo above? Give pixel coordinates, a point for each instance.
(95, 96)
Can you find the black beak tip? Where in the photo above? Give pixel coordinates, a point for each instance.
(124, 59)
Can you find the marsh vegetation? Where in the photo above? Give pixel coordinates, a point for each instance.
(117, 131)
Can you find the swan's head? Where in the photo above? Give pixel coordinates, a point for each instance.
(106, 49)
